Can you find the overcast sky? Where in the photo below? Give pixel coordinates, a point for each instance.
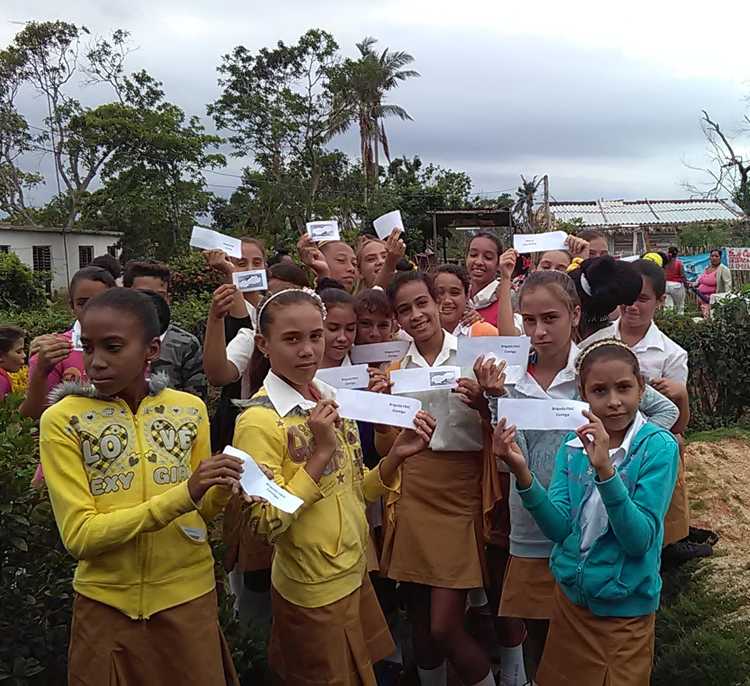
(606, 102)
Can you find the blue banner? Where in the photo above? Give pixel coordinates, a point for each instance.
(694, 265)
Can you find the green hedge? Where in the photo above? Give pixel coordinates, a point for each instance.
(719, 351)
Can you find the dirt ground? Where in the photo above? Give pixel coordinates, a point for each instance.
(719, 483)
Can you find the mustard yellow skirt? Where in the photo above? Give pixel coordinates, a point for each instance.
(585, 650)
(528, 588)
(677, 519)
(181, 645)
(336, 644)
(433, 529)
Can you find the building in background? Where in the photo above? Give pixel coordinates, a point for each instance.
(636, 226)
(61, 253)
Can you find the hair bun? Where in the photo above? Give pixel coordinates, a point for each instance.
(608, 283)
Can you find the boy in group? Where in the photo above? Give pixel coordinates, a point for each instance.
(180, 356)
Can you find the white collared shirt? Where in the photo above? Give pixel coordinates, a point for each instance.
(658, 355)
(284, 398)
(459, 428)
(563, 386)
(594, 518)
(486, 296)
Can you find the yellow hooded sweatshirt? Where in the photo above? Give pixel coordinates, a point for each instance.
(118, 486)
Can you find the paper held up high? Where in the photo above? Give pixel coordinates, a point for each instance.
(253, 280)
(384, 225)
(255, 482)
(327, 230)
(425, 379)
(206, 239)
(392, 351)
(513, 349)
(542, 415)
(351, 376)
(378, 408)
(539, 242)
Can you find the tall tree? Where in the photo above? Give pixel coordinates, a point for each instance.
(730, 173)
(278, 107)
(523, 209)
(363, 85)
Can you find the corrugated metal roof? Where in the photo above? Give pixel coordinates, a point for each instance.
(640, 212)
(56, 229)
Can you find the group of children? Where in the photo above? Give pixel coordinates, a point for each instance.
(557, 535)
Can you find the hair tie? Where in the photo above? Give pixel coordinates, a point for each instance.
(307, 291)
(585, 285)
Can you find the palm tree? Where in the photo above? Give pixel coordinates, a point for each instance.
(524, 205)
(366, 83)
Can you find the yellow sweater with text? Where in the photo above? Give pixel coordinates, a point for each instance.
(320, 550)
(118, 486)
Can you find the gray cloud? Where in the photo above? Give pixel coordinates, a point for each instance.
(600, 123)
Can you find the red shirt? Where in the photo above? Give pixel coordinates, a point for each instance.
(489, 313)
(674, 271)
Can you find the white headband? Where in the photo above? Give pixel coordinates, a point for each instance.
(307, 291)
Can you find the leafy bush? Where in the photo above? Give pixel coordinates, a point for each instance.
(191, 312)
(718, 349)
(191, 276)
(20, 287)
(36, 595)
(52, 318)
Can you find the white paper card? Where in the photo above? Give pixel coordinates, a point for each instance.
(392, 351)
(206, 239)
(539, 242)
(424, 379)
(384, 225)
(253, 280)
(255, 482)
(323, 231)
(351, 376)
(378, 408)
(513, 349)
(75, 338)
(543, 415)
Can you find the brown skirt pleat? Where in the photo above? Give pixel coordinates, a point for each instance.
(336, 644)
(677, 519)
(434, 533)
(181, 645)
(585, 650)
(528, 589)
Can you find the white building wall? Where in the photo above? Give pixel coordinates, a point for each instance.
(22, 243)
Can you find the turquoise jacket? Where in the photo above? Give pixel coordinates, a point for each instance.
(619, 575)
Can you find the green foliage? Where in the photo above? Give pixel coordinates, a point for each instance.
(714, 235)
(191, 312)
(718, 349)
(698, 641)
(191, 276)
(36, 593)
(53, 318)
(20, 287)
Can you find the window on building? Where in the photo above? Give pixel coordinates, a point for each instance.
(85, 255)
(42, 258)
(4, 249)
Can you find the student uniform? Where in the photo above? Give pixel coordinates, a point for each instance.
(660, 357)
(436, 521)
(327, 625)
(528, 589)
(145, 610)
(608, 538)
(485, 302)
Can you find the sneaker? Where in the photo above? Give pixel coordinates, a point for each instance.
(697, 535)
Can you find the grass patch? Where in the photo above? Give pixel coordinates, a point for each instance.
(732, 432)
(700, 640)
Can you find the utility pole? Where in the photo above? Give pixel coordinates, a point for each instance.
(547, 218)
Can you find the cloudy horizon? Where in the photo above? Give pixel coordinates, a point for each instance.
(608, 104)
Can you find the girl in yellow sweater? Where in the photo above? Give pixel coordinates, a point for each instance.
(327, 625)
(132, 484)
